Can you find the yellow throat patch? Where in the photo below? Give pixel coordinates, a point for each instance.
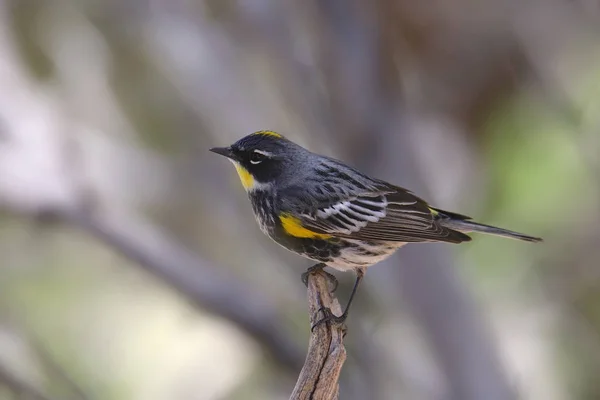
(292, 226)
(245, 176)
(268, 133)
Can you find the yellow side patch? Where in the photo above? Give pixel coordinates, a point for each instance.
(435, 213)
(293, 227)
(268, 133)
(245, 176)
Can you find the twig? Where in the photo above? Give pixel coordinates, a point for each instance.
(319, 377)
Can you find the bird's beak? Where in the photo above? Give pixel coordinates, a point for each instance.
(224, 151)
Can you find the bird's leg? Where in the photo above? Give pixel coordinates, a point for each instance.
(328, 315)
(319, 267)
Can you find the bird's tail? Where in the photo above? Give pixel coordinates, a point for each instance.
(463, 223)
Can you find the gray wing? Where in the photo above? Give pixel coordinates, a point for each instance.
(389, 214)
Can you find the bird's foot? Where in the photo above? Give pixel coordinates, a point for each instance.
(329, 318)
(319, 267)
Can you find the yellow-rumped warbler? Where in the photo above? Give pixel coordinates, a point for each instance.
(324, 210)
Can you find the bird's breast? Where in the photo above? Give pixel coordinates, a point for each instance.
(263, 205)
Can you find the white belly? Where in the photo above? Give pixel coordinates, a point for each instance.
(364, 255)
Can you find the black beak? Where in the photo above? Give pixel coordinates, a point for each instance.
(224, 151)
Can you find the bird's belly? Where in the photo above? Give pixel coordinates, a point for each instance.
(361, 254)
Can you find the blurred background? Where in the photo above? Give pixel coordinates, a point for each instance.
(131, 266)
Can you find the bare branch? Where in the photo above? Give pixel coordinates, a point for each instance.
(326, 352)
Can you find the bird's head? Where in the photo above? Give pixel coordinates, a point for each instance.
(261, 158)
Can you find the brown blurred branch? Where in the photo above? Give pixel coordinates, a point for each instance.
(319, 377)
(20, 388)
(53, 181)
(207, 286)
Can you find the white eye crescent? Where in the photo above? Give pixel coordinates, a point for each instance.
(257, 156)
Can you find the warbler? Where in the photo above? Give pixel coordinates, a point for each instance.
(327, 211)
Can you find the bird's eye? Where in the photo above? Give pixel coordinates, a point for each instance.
(257, 158)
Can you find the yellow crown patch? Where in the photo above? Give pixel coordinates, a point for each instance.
(268, 133)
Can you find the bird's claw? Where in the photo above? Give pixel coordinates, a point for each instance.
(319, 267)
(304, 277)
(329, 318)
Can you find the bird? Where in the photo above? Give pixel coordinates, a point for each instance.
(327, 211)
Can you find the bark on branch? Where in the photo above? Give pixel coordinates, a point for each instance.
(319, 377)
